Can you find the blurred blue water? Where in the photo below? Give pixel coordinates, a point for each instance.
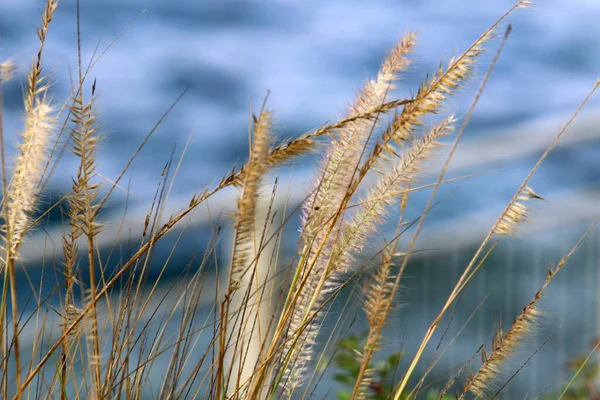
(312, 56)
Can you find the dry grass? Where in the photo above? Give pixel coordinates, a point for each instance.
(108, 334)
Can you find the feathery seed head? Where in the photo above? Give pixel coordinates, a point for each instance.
(29, 167)
(504, 346)
(254, 172)
(525, 4)
(7, 70)
(516, 213)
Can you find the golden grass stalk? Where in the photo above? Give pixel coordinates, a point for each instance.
(378, 300)
(398, 180)
(36, 82)
(429, 99)
(247, 203)
(130, 264)
(85, 200)
(381, 293)
(355, 233)
(441, 177)
(347, 147)
(322, 209)
(307, 143)
(82, 216)
(70, 311)
(19, 198)
(23, 191)
(234, 316)
(470, 268)
(369, 105)
(505, 346)
(443, 84)
(516, 214)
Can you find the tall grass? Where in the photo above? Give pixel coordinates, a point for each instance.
(104, 334)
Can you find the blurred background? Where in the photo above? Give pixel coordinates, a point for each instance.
(313, 56)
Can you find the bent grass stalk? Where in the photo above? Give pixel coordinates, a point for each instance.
(502, 221)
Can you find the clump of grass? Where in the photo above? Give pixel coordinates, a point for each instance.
(266, 323)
